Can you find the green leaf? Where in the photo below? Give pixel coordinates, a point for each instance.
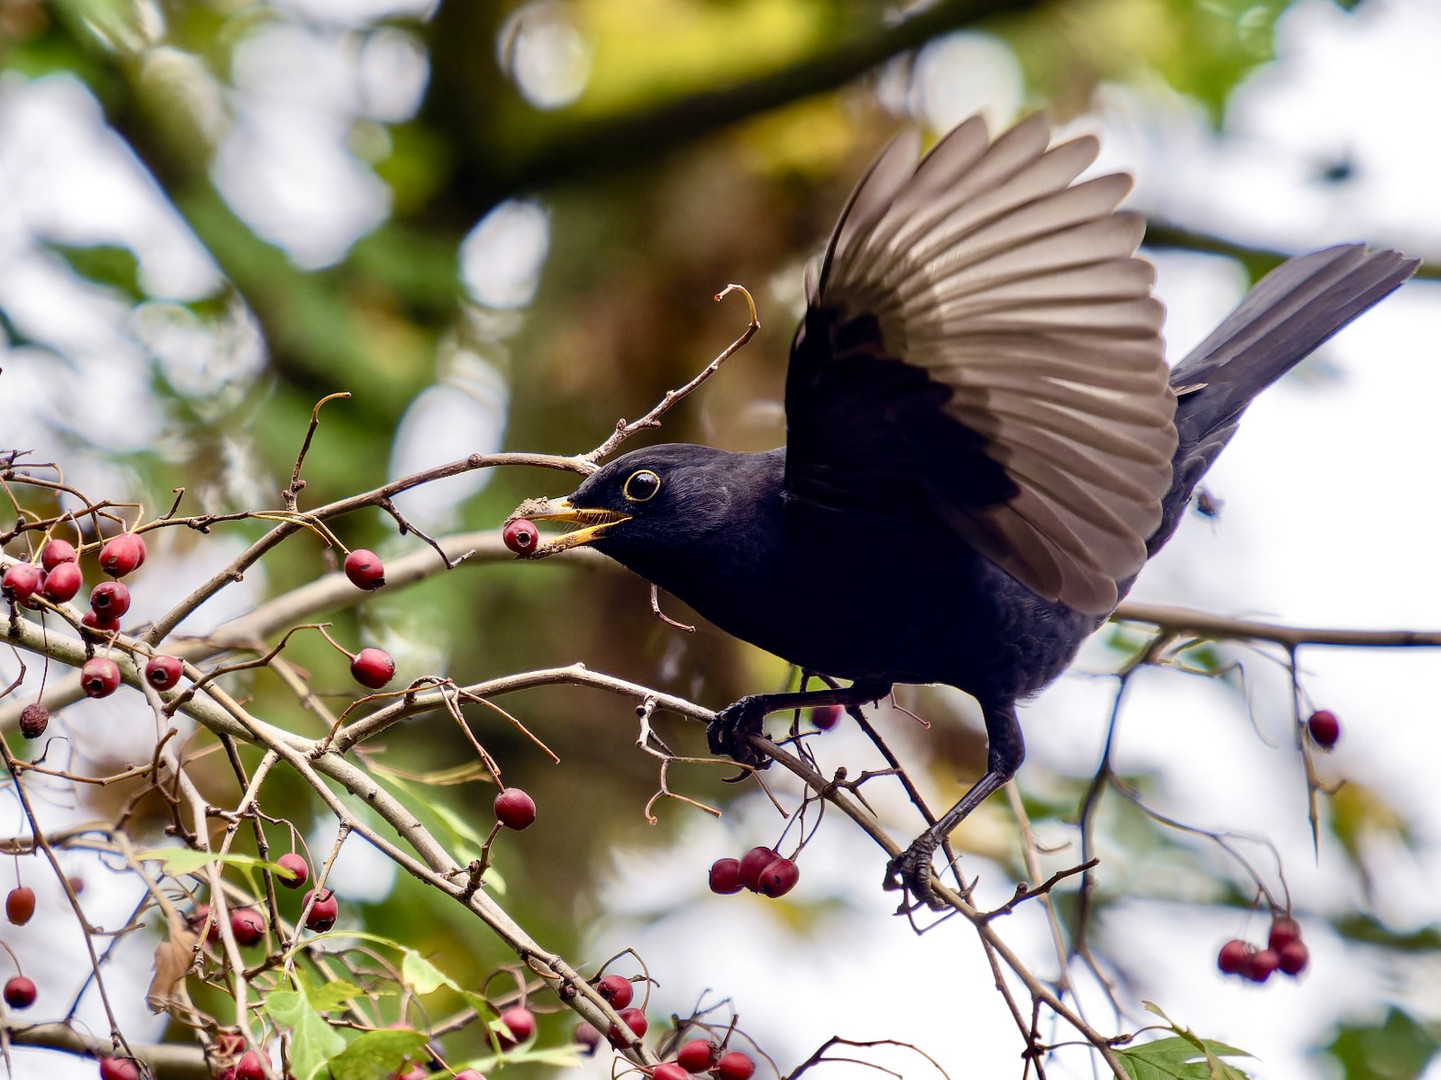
(1398, 1048)
(377, 1053)
(104, 264)
(313, 1042)
(423, 976)
(330, 995)
(177, 861)
(1180, 1058)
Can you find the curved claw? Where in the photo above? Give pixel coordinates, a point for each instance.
(911, 871)
(729, 733)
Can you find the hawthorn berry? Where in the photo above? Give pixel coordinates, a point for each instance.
(100, 625)
(110, 599)
(734, 1066)
(616, 989)
(1262, 965)
(633, 1019)
(514, 808)
(587, 1037)
(372, 667)
(229, 1043)
(697, 1056)
(826, 717)
(249, 1067)
(364, 569)
(163, 672)
(20, 582)
(57, 553)
(1324, 728)
(247, 925)
(323, 912)
(521, 1022)
(1235, 957)
(122, 554)
(99, 677)
(20, 904)
(19, 992)
(669, 1070)
(198, 919)
(725, 876)
(62, 583)
(1284, 930)
(114, 1068)
(752, 863)
(298, 872)
(778, 878)
(468, 1074)
(522, 537)
(34, 719)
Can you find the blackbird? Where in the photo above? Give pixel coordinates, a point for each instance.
(983, 441)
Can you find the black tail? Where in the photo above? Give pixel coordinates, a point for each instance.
(1290, 312)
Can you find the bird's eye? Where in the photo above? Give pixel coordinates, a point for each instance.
(641, 486)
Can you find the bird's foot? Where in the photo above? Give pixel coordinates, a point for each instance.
(729, 733)
(910, 871)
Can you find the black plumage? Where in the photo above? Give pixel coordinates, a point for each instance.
(984, 443)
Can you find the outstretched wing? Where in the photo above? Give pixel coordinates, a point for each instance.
(981, 345)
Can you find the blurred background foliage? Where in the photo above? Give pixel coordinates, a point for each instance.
(501, 224)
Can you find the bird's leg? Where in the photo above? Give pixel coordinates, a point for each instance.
(911, 870)
(729, 732)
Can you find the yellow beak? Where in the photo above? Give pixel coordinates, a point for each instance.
(594, 522)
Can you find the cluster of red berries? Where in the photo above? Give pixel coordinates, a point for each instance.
(1284, 952)
(19, 992)
(761, 869)
(704, 1056)
(1324, 728)
(247, 924)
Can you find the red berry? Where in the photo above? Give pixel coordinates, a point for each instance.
(34, 718)
(778, 878)
(616, 989)
(669, 1071)
(752, 863)
(725, 876)
(62, 583)
(247, 925)
(99, 625)
(734, 1066)
(1235, 957)
(163, 672)
(198, 920)
(249, 1067)
(1284, 930)
(57, 553)
(19, 992)
(514, 808)
(323, 912)
(114, 1068)
(110, 599)
(467, 1074)
(521, 1022)
(521, 536)
(1262, 964)
(20, 904)
(587, 1037)
(826, 717)
(229, 1043)
(633, 1019)
(20, 582)
(1294, 956)
(697, 1056)
(99, 677)
(299, 871)
(364, 569)
(373, 668)
(122, 554)
(1325, 729)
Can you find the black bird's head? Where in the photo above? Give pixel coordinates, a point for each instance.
(651, 503)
